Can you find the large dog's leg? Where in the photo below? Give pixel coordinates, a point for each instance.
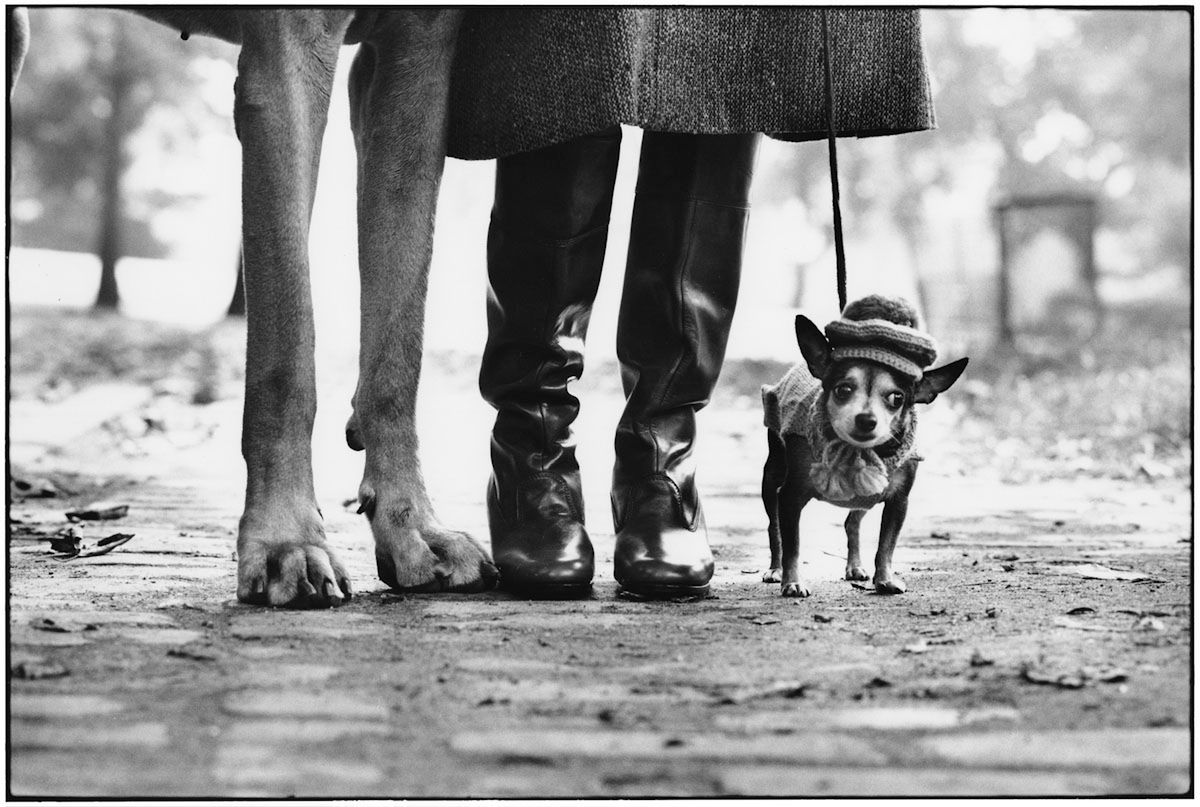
(399, 89)
(285, 74)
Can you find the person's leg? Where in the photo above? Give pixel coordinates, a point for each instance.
(545, 252)
(681, 285)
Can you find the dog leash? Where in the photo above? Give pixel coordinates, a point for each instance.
(830, 102)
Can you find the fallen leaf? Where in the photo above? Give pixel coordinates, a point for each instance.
(33, 489)
(194, 653)
(1082, 609)
(100, 511)
(37, 670)
(978, 659)
(1113, 676)
(764, 620)
(1060, 680)
(492, 701)
(1075, 624)
(862, 586)
(1094, 571)
(878, 682)
(939, 535)
(1153, 469)
(101, 547)
(49, 625)
(777, 689)
(822, 618)
(66, 540)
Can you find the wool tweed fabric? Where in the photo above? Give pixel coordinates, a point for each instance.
(525, 78)
(840, 473)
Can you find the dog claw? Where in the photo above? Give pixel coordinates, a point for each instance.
(796, 590)
(366, 505)
(891, 585)
(857, 573)
(773, 576)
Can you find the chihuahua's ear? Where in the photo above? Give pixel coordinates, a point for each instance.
(937, 381)
(813, 345)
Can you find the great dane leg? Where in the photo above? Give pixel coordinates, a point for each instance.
(285, 73)
(399, 89)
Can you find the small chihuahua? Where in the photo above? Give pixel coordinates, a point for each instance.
(841, 430)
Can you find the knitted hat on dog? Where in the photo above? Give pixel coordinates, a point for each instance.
(883, 330)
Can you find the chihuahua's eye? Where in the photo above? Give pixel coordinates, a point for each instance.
(894, 400)
(842, 392)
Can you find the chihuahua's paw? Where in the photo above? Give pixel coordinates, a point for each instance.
(799, 589)
(773, 575)
(857, 573)
(890, 585)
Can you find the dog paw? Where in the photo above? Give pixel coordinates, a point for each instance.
(290, 574)
(463, 565)
(890, 585)
(857, 573)
(427, 558)
(773, 576)
(796, 590)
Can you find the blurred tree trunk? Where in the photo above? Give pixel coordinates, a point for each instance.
(112, 167)
(237, 306)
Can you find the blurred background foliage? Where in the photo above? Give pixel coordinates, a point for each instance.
(101, 89)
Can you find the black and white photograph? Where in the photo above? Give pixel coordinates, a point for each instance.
(599, 402)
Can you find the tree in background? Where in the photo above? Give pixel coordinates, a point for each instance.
(1034, 100)
(94, 80)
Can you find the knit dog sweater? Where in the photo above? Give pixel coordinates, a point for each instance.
(876, 328)
(841, 474)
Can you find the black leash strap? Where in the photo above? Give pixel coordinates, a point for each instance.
(830, 100)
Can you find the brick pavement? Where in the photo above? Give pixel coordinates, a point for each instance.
(135, 673)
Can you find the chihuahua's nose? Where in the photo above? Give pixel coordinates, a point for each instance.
(864, 422)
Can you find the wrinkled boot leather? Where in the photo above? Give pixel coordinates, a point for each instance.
(545, 253)
(681, 285)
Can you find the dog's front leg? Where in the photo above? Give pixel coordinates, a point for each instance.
(792, 497)
(854, 567)
(285, 72)
(399, 88)
(895, 508)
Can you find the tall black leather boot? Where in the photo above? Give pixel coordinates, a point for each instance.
(545, 253)
(681, 286)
